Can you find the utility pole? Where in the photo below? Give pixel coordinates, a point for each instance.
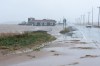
(83, 19)
(98, 16)
(92, 16)
(64, 23)
(80, 21)
(88, 18)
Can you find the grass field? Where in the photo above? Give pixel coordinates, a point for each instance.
(27, 39)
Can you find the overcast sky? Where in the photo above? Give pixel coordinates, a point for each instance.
(15, 11)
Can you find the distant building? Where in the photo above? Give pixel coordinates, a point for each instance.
(44, 22)
(23, 23)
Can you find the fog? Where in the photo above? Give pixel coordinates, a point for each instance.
(15, 11)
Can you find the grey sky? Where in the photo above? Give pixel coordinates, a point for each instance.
(20, 10)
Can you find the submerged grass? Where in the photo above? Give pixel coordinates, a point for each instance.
(27, 39)
(68, 29)
(65, 30)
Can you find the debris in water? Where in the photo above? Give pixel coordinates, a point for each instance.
(90, 56)
(56, 54)
(31, 56)
(52, 51)
(62, 65)
(74, 63)
(83, 42)
(82, 48)
(75, 40)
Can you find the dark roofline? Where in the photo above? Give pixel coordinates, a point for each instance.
(43, 20)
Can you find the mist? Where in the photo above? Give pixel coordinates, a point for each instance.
(16, 11)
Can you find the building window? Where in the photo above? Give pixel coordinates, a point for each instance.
(38, 24)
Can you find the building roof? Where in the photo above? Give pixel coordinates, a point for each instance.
(44, 20)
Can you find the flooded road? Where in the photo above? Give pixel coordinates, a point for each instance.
(91, 35)
(78, 48)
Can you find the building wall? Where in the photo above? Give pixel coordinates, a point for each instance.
(32, 21)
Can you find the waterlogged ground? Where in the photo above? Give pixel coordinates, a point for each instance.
(80, 48)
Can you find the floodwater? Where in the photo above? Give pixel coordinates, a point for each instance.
(78, 48)
(91, 34)
(13, 28)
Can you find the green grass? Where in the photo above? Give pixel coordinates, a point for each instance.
(28, 39)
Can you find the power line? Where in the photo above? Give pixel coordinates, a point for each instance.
(98, 16)
(83, 19)
(88, 18)
(92, 17)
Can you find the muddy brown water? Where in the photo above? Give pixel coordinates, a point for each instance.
(58, 52)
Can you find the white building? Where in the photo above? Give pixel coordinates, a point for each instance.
(44, 22)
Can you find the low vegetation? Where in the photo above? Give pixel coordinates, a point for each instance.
(68, 29)
(65, 30)
(27, 39)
